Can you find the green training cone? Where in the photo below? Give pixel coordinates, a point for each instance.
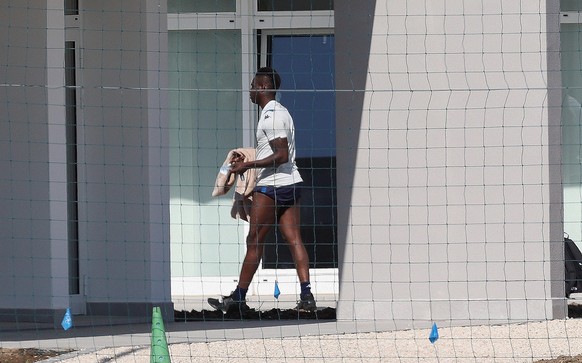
(159, 352)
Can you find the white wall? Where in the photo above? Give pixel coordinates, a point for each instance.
(449, 180)
(32, 225)
(124, 153)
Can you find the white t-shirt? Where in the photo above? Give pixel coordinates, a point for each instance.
(275, 122)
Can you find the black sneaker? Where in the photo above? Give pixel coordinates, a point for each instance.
(228, 303)
(307, 303)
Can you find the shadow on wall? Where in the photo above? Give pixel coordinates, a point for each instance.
(353, 35)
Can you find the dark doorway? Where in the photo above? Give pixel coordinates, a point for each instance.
(306, 66)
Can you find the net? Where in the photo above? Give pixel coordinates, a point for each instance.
(438, 144)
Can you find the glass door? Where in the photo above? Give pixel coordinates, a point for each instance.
(212, 54)
(571, 58)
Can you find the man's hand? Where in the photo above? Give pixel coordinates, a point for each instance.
(239, 167)
(280, 156)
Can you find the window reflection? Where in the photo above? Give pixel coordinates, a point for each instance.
(201, 6)
(294, 5)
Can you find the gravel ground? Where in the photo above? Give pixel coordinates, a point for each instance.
(559, 340)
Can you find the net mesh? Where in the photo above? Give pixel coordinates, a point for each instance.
(438, 143)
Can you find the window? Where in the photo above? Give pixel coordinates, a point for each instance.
(294, 5)
(306, 66)
(71, 7)
(571, 46)
(201, 6)
(214, 49)
(72, 192)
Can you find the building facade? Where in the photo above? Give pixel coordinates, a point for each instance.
(431, 142)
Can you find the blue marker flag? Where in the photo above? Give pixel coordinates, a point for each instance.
(434, 333)
(67, 322)
(277, 291)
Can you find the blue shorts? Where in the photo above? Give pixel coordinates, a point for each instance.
(283, 196)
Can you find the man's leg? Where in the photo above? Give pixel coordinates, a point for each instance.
(290, 227)
(262, 218)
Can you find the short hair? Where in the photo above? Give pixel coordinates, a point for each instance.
(271, 75)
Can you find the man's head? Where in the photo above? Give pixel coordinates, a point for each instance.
(264, 85)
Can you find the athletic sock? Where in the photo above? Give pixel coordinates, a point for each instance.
(305, 288)
(239, 293)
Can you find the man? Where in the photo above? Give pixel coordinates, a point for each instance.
(276, 195)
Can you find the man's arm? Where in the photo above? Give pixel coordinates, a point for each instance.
(280, 156)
